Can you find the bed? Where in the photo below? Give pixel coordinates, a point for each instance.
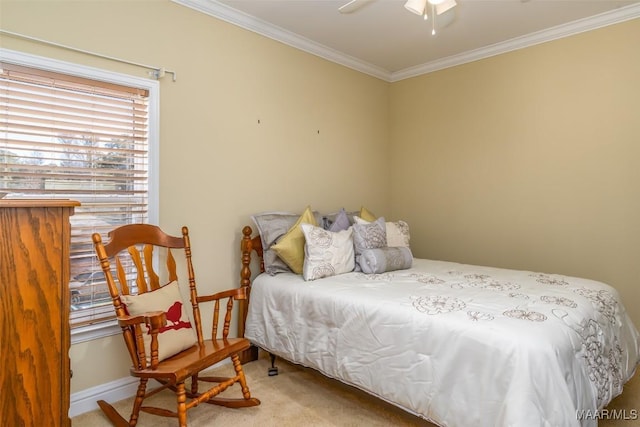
(455, 344)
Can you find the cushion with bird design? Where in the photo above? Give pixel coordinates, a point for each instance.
(178, 334)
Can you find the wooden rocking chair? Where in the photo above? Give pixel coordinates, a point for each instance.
(147, 334)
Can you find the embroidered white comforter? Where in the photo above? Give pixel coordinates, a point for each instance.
(458, 345)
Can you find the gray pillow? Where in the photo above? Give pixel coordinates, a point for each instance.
(380, 260)
(341, 222)
(272, 226)
(329, 219)
(397, 232)
(369, 236)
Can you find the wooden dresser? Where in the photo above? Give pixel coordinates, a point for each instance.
(34, 312)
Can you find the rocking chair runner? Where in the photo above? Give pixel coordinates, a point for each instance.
(140, 244)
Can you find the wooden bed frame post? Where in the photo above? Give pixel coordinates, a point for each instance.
(247, 245)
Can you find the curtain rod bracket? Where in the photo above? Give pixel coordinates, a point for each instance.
(159, 73)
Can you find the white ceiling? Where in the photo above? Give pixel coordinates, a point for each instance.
(383, 39)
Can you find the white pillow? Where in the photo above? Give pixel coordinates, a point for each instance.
(397, 232)
(327, 253)
(178, 334)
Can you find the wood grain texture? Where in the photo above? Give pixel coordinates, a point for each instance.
(34, 314)
(247, 246)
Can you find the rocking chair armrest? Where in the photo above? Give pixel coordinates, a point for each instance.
(151, 318)
(236, 294)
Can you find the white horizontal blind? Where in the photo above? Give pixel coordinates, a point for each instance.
(69, 137)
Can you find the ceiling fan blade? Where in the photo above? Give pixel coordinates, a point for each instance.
(444, 6)
(353, 5)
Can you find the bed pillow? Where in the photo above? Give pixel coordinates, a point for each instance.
(272, 226)
(397, 232)
(178, 334)
(380, 260)
(327, 253)
(290, 248)
(329, 219)
(341, 222)
(371, 235)
(366, 215)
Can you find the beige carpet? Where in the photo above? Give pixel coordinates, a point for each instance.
(302, 397)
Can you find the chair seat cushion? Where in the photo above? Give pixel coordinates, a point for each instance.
(178, 334)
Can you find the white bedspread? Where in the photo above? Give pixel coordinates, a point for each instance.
(458, 345)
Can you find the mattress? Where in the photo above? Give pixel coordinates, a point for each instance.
(458, 345)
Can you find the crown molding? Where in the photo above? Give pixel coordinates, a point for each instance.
(251, 23)
(572, 28)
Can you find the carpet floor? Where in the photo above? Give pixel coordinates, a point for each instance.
(299, 396)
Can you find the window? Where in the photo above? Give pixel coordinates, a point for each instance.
(83, 134)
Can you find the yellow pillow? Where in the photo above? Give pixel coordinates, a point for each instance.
(366, 215)
(290, 248)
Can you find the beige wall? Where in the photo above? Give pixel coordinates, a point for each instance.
(322, 138)
(527, 160)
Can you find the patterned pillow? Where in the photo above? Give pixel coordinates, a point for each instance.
(178, 334)
(327, 253)
(376, 261)
(397, 232)
(290, 248)
(371, 235)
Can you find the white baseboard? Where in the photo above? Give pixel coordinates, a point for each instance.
(86, 400)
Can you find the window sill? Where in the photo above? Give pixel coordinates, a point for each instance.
(95, 331)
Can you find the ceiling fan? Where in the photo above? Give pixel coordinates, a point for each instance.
(419, 7)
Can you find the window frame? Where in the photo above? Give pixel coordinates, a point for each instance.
(107, 328)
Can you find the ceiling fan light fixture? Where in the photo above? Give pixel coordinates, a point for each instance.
(416, 6)
(444, 5)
